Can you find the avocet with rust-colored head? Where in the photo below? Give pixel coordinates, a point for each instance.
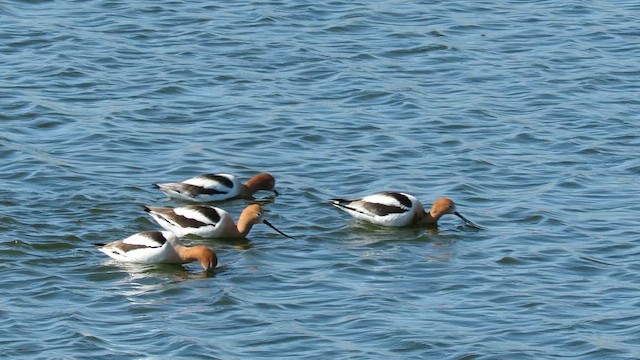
(397, 209)
(158, 247)
(207, 221)
(218, 187)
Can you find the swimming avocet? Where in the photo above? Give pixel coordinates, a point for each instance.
(156, 247)
(397, 209)
(218, 187)
(207, 221)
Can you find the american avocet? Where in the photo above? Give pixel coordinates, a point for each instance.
(156, 247)
(397, 209)
(218, 187)
(207, 221)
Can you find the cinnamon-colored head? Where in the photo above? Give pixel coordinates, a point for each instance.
(445, 206)
(252, 214)
(263, 181)
(441, 207)
(207, 257)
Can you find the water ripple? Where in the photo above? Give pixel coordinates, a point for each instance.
(525, 114)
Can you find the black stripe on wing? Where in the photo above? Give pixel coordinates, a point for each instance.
(345, 204)
(219, 178)
(125, 247)
(401, 198)
(186, 222)
(177, 220)
(371, 208)
(193, 190)
(156, 236)
(209, 212)
(383, 210)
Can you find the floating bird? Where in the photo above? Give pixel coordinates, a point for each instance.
(156, 247)
(207, 221)
(397, 209)
(218, 187)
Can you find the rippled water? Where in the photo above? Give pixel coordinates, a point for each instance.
(525, 113)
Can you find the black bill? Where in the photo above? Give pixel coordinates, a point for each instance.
(274, 228)
(466, 220)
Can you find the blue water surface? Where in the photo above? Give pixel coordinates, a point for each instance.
(525, 113)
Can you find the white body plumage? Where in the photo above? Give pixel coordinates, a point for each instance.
(149, 247)
(398, 209)
(385, 208)
(204, 188)
(199, 220)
